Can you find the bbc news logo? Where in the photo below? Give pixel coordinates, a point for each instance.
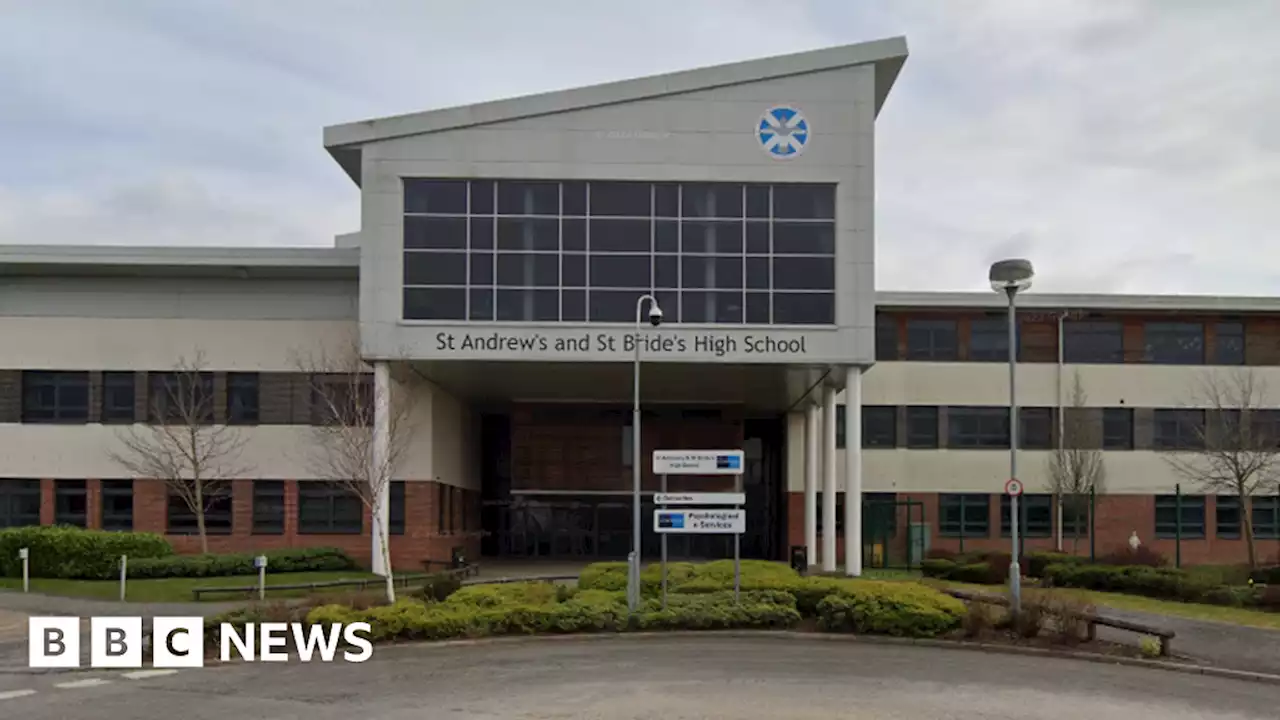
(179, 642)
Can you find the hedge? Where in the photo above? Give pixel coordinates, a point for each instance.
(1161, 583)
(900, 609)
(223, 565)
(75, 553)
(1034, 563)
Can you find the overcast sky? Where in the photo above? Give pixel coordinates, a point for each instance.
(1122, 146)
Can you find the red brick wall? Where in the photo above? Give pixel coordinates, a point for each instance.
(1118, 516)
(423, 537)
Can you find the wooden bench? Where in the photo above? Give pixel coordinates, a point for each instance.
(1091, 620)
(360, 584)
(465, 571)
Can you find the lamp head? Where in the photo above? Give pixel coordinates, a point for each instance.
(655, 314)
(1011, 276)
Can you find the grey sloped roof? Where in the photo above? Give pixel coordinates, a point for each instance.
(888, 55)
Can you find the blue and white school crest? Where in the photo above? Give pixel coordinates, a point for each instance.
(783, 132)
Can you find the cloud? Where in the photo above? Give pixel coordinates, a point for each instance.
(1122, 146)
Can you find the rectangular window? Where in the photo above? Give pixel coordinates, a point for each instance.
(1179, 429)
(1092, 341)
(989, 340)
(1228, 343)
(1075, 516)
(879, 426)
(181, 398)
(70, 503)
(1192, 516)
(964, 515)
(977, 427)
(119, 390)
(1035, 428)
(932, 340)
(268, 507)
(1266, 517)
(839, 512)
(1228, 518)
(55, 397)
(215, 497)
(886, 337)
(117, 505)
(1117, 428)
(444, 512)
(1174, 343)
(1035, 516)
(328, 509)
(342, 400)
(242, 398)
(922, 427)
(879, 516)
(395, 511)
(19, 503)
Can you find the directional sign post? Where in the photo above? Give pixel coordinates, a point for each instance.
(700, 521)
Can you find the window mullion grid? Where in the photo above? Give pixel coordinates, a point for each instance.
(769, 298)
(560, 256)
(586, 257)
(466, 300)
(679, 252)
(742, 237)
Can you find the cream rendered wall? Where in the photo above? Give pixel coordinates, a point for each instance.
(918, 383)
(438, 443)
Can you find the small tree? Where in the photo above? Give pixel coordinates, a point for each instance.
(344, 398)
(181, 443)
(1237, 445)
(1076, 468)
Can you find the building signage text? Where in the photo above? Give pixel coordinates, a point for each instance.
(587, 343)
(697, 462)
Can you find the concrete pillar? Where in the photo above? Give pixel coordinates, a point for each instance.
(812, 423)
(829, 479)
(380, 472)
(853, 472)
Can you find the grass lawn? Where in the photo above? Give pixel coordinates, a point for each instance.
(179, 589)
(1119, 601)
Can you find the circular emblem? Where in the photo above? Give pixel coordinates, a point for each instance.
(783, 132)
(1013, 487)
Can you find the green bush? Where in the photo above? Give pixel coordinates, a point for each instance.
(899, 609)
(504, 594)
(979, 573)
(611, 576)
(320, 559)
(711, 612)
(440, 586)
(75, 553)
(687, 577)
(1266, 576)
(1161, 583)
(1035, 562)
(940, 568)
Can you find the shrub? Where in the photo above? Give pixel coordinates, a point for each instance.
(1149, 646)
(610, 576)
(257, 613)
(1163, 583)
(440, 586)
(1127, 556)
(686, 577)
(504, 594)
(715, 612)
(1269, 598)
(979, 619)
(1220, 574)
(940, 568)
(1266, 575)
(320, 559)
(1035, 562)
(75, 553)
(940, 554)
(900, 609)
(979, 573)
(1030, 620)
(1061, 612)
(1232, 596)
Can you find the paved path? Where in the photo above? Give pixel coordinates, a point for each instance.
(1222, 644)
(675, 678)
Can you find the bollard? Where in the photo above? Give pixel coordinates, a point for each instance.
(124, 573)
(260, 562)
(25, 555)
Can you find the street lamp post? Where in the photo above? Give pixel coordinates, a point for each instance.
(1010, 277)
(633, 566)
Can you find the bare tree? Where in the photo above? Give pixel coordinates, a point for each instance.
(344, 399)
(1237, 444)
(181, 443)
(1076, 467)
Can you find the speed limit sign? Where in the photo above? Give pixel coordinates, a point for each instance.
(1013, 488)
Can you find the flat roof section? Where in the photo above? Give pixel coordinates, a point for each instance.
(888, 55)
(141, 261)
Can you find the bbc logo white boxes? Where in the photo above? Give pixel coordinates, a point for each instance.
(179, 642)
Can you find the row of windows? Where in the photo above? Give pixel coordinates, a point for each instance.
(979, 427)
(1229, 518)
(323, 508)
(1083, 341)
(987, 427)
(618, 306)
(618, 199)
(175, 398)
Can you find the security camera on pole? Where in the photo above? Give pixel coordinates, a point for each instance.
(633, 561)
(1010, 277)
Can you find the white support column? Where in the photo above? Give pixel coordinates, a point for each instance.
(829, 479)
(812, 425)
(381, 450)
(853, 471)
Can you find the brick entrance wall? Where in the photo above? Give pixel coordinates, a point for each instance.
(423, 537)
(1117, 517)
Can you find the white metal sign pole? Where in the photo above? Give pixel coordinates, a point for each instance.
(737, 546)
(664, 549)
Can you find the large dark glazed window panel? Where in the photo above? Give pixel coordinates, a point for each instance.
(575, 251)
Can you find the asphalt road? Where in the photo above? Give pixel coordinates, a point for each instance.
(672, 678)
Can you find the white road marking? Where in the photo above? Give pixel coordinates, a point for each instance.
(75, 684)
(14, 694)
(143, 674)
